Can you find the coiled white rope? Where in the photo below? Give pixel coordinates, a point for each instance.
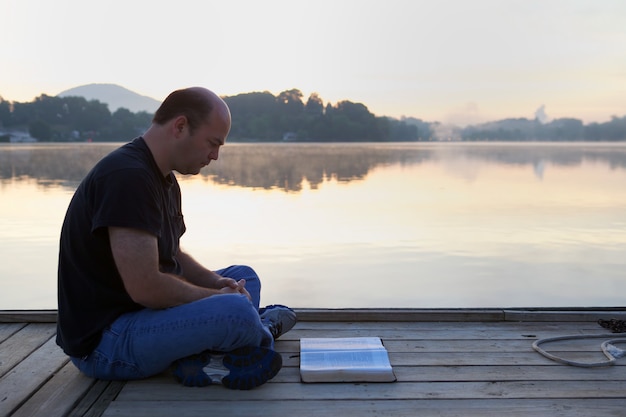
(608, 348)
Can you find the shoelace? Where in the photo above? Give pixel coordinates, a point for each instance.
(615, 325)
(276, 329)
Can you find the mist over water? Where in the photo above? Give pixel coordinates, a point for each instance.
(362, 225)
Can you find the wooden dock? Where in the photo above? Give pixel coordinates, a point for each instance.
(448, 363)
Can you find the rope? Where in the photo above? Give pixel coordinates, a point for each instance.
(608, 348)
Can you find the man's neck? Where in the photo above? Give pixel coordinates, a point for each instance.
(157, 143)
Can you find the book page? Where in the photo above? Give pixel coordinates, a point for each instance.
(340, 343)
(349, 359)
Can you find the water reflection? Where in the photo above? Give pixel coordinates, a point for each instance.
(284, 166)
(449, 225)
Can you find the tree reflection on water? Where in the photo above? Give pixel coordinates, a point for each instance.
(285, 165)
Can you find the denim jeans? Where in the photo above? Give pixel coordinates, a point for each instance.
(145, 342)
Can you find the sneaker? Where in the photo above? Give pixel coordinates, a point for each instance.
(278, 318)
(242, 369)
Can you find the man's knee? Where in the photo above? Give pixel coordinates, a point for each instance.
(239, 272)
(234, 305)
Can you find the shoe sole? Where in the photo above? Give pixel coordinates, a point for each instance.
(247, 368)
(189, 371)
(250, 367)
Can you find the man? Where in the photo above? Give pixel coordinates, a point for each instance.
(131, 301)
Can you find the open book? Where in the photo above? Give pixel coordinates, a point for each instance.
(347, 359)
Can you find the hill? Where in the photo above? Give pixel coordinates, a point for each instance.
(115, 96)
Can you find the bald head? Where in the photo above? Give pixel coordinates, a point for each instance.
(195, 103)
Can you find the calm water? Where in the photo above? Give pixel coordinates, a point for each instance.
(362, 225)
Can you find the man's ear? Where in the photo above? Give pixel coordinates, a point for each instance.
(179, 125)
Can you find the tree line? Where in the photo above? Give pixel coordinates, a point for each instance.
(61, 119)
(258, 116)
(264, 117)
(563, 129)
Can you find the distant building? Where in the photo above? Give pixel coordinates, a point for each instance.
(16, 136)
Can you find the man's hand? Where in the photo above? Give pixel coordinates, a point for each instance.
(230, 286)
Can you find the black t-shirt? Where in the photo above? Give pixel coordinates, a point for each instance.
(124, 189)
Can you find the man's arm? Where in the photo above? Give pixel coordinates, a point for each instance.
(136, 256)
(197, 274)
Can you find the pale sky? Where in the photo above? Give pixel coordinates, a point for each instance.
(455, 61)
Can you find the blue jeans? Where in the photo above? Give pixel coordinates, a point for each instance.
(145, 342)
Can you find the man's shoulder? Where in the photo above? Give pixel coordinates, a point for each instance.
(133, 155)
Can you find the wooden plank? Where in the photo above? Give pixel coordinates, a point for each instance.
(469, 333)
(570, 326)
(391, 314)
(564, 315)
(291, 347)
(460, 314)
(23, 343)
(272, 391)
(456, 373)
(58, 396)
(103, 402)
(384, 314)
(97, 389)
(28, 316)
(530, 358)
(97, 399)
(19, 383)
(358, 408)
(8, 329)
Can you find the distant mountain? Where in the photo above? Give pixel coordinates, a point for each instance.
(115, 96)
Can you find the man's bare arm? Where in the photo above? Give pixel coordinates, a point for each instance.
(136, 257)
(197, 274)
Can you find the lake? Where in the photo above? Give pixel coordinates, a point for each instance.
(411, 225)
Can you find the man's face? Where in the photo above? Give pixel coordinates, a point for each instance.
(198, 149)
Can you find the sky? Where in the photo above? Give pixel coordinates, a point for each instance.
(453, 61)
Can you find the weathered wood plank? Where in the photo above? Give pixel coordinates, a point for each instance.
(19, 383)
(97, 399)
(564, 316)
(103, 402)
(358, 408)
(86, 403)
(8, 329)
(472, 345)
(570, 326)
(456, 373)
(460, 315)
(530, 358)
(23, 343)
(394, 314)
(415, 334)
(28, 316)
(58, 396)
(391, 314)
(272, 391)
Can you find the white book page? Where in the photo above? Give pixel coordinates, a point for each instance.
(365, 360)
(340, 343)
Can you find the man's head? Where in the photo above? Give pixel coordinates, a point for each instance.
(188, 129)
(195, 103)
